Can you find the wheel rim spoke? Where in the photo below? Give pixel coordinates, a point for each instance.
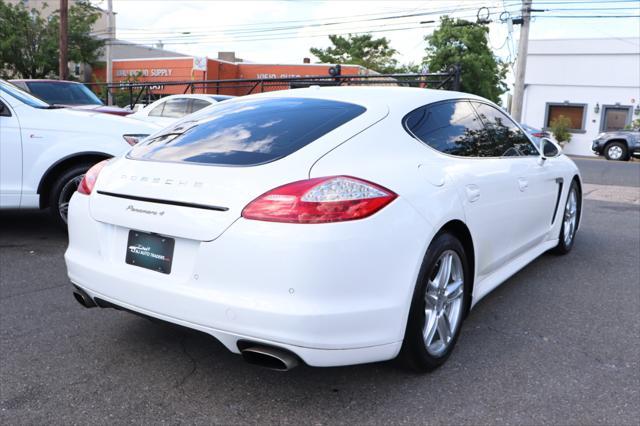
(431, 326)
(444, 328)
(454, 291)
(444, 275)
(431, 300)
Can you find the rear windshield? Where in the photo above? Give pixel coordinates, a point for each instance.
(247, 133)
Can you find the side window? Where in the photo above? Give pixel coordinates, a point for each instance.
(198, 104)
(4, 110)
(450, 127)
(157, 111)
(176, 108)
(507, 140)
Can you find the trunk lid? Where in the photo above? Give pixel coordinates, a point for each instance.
(197, 201)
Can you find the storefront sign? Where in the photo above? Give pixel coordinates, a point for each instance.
(199, 63)
(153, 72)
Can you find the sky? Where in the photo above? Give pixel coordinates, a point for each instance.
(283, 31)
(277, 31)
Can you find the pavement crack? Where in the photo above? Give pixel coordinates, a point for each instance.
(194, 363)
(38, 290)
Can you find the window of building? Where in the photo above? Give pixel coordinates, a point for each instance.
(615, 118)
(574, 112)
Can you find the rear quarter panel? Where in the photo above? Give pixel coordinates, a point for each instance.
(387, 155)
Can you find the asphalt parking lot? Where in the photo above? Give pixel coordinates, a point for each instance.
(559, 343)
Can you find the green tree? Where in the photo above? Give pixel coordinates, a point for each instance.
(29, 42)
(465, 43)
(374, 54)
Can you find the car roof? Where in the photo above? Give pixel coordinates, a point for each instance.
(396, 98)
(191, 96)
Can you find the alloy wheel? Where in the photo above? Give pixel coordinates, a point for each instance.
(65, 196)
(570, 217)
(443, 303)
(615, 152)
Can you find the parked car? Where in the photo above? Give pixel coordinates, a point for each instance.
(68, 94)
(169, 109)
(329, 226)
(535, 133)
(619, 145)
(45, 150)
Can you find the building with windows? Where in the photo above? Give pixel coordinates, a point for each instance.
(169, 70)
(594, 82)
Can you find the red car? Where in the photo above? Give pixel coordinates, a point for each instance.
(68, 94)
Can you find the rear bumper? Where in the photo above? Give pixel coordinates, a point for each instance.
(333, 294)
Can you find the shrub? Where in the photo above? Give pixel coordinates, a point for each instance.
(635, 125)
(560, 128)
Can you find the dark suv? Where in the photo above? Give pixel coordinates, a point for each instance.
(620, 145)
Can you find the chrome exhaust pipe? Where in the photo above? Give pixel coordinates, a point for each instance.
(83, 298)
(268, 357)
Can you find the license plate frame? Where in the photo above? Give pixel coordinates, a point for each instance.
(150, 251)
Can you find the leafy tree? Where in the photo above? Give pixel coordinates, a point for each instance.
(465, 43)
(29, 42)
(374, 54)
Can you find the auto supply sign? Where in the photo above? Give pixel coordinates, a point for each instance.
(199, 63)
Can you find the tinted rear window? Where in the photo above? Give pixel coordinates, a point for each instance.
(248, 132)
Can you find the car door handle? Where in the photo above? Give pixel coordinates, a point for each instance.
(523, 184)
(473, 192)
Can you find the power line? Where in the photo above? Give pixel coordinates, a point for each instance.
(476, 3)
(291, 37)
(587, 16)
(243, 29)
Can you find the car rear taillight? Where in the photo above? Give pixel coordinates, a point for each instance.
(538, 135)
(320, 200)
(89, 179)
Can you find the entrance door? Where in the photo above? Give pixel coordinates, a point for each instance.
(614, 118)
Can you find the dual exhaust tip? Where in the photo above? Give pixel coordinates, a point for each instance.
(253, 353)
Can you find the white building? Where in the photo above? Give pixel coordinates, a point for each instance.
(595, 82)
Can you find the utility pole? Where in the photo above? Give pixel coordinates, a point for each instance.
(63, 67)
(523, 48)
(111, 37)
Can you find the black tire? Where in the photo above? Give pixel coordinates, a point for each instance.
(62, 190)
(566, 244)
(414, 353)
(616, 151)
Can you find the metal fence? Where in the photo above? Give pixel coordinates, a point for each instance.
(134, 92)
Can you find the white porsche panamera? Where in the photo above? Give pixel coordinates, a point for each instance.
(329, 226)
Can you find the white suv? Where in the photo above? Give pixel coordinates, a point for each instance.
(45, 150)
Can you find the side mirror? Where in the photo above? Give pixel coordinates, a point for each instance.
(548, 149)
